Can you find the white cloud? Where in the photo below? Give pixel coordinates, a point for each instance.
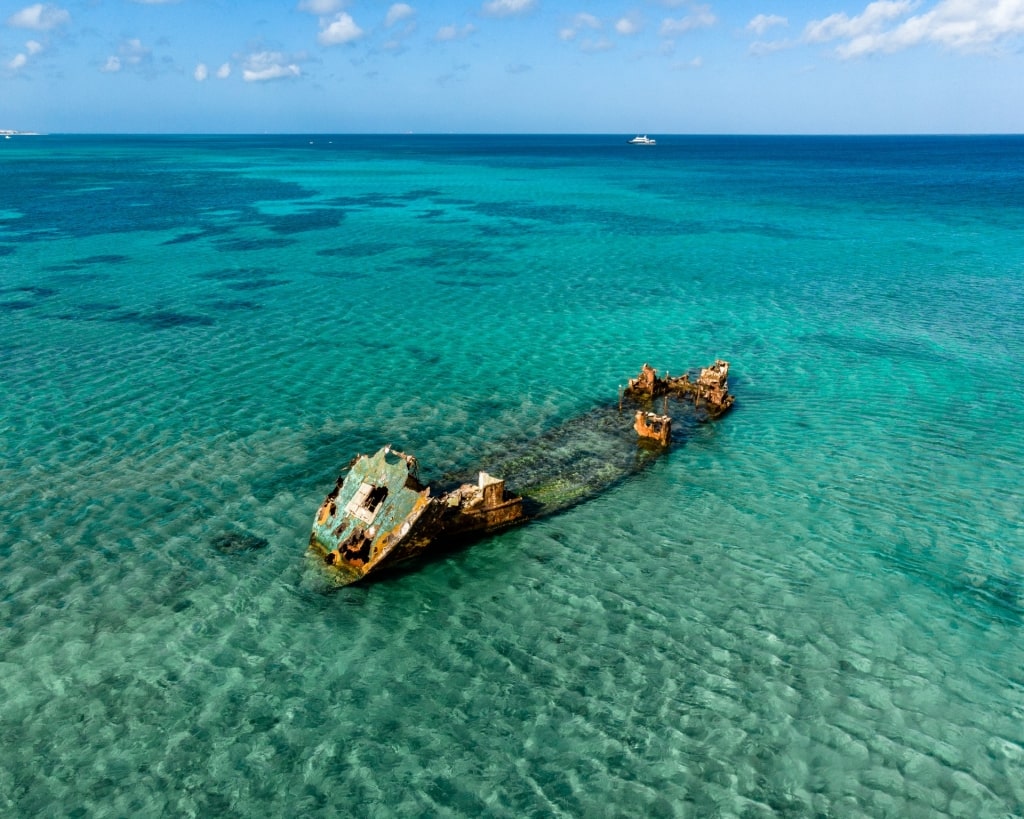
(689, 65)
(699, 17)
(19, 61)
(875, 16)
(39, 17)
(134, 53)
(454, 32)
(224, 71)
(626, 26)
(760, 24)
(201, 72)
(595, 46)
(321, 7)
(884, 26)
(398, 12)
(111, 66)
(342, 29)
(579, 22)
(506, 8)
(269, 65)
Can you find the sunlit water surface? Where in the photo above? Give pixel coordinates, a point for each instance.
(812, 607)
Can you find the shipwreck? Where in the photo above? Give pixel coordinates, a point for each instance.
(380, 513)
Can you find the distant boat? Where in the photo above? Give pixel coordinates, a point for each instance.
(642, 140)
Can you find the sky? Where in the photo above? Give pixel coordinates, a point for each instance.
(513, 66)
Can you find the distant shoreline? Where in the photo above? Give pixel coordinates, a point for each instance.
(6, 133)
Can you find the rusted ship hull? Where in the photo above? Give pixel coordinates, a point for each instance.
(380, 514)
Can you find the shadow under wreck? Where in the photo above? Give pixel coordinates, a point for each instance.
(381, 514)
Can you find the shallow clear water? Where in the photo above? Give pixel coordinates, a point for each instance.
(812, 606)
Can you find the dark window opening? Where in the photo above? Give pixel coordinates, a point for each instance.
(375, 498)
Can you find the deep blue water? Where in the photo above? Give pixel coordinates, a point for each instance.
(812, 607)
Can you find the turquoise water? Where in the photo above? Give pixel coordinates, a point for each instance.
(812, 607)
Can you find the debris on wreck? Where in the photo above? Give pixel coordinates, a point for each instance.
(653, 427)
(710, 390)
(380, 513)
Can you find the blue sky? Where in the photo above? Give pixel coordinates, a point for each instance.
(516, 66)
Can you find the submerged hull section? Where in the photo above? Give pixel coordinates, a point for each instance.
(380, 514)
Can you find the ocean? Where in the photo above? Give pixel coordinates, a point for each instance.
(813, 606)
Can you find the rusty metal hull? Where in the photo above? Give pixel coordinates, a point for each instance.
(380, 514)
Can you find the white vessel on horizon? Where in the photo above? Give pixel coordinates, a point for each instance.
(642, 140)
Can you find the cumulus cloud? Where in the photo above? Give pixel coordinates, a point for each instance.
(342, 29)
(39, 17)
(597, 46)
(321, 7)
(454, 32)
(20, 60)
(760, 24)
(134, 53)
(872, 20)
(507, 8)
(627, 26)
(580, 22)
(131, 55)
(699, 17)
(397, 13)
(263, 66)
(224, 71)
(889, 26)
(201, 72)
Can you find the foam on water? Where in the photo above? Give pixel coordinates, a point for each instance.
(810, 607)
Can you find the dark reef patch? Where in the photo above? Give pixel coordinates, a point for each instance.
(419, 193)
(158, 319)
(7, 250)
(227, 274)
(21, 304)
(32, 290)
(462, 283)
(339, 274)
(767, 230)
(367, 200)
(103, 258)
(237, 245)
(256, 284)
(358, 250)
(234, 543)
(94, 307)
(197, 235)
(320, 219)
(229, 305)
(66, 196)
